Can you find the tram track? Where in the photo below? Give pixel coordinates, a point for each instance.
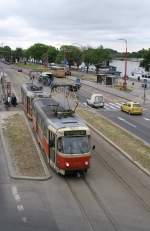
(122, 180)
(99, 201)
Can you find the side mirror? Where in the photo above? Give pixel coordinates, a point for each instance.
(93, 148)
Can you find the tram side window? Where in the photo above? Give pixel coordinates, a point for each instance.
(52, 139)
(23, 97)
(45, 130)
(38, 119)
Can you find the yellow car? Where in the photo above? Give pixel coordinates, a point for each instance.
(132, 108)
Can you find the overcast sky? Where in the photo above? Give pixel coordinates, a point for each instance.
(83, 22)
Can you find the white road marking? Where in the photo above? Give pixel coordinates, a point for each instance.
(108, 105)
(147, 119)
(114, 105)
(24, 219)
(127, 122)
(119, 104)
(15, 193)
(17, 198)
(14, 189)
(20, 208)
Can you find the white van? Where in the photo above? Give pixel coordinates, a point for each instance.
(96, 100)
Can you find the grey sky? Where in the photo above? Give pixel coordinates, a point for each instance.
(86, 22)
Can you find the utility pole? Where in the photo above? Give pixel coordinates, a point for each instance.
(126, 60)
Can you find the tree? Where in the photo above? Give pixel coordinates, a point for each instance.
(146, 60)
(18, 54)
(6, 53)
(100, 56)
(37, 51)
(69, 55)
(87, 57)
(52, 54)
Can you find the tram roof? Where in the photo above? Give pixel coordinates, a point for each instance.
(32, 89)
(47, 106)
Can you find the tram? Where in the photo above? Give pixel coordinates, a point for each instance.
(64, 137)
(29, 91)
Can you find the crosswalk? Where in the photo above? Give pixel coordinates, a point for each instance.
(109, 106)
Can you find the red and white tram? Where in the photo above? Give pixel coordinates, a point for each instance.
(64, 137)
(29, 91)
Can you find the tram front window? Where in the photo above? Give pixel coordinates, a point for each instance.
(74, 145)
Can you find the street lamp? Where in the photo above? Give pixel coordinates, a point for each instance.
(125, 70)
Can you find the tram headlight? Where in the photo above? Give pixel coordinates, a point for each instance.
(67, 164)
(86, 163)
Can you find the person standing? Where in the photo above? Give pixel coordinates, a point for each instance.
(13, 100)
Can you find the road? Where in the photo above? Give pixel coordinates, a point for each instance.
(139, 125)
(114, 196)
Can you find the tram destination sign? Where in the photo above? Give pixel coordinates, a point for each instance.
(75, 133)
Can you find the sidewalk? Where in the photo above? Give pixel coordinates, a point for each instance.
(137, 94)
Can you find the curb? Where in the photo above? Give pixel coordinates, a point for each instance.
(125, 130)
(10, 168)
(125, 154)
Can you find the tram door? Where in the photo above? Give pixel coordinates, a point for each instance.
(28, 105)
(52, 148)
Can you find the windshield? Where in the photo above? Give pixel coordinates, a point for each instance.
(136, 105)
(98, 99)
(74, 145)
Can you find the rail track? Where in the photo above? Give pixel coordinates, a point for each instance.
(122, 180)
(99, 201)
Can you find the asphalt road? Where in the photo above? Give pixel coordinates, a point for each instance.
(114, 196)
(139, 125)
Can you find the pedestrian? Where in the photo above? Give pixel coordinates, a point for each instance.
(13, 100)
(9, 100)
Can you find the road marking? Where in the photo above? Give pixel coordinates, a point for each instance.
(119, 104)
(147, 119)
(17, 198)
(115, 105)
(24, 219)
(127, 122)
(14, 190)
(15, 193)
(20, 208)
(108, 105)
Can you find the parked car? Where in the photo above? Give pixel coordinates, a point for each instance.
(96, 100)
(132, 108)
(19, 69)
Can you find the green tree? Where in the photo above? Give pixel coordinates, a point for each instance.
(18, 54)
(146, 60)
(71, 54)
(87, 57)
(52, 54)
(37, 51)
(100, 56)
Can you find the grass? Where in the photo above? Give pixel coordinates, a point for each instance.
(32, 66)
(22, 149)
(139, 151)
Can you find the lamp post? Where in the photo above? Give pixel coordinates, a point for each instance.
(125, 70)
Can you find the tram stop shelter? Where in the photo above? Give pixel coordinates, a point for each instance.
(108, 80)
